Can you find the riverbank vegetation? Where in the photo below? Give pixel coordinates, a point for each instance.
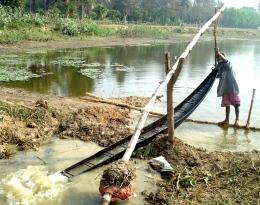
(34, 21)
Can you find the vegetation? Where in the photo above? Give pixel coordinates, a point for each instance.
(241, 18)
(55, 19)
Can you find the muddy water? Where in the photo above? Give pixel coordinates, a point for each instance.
(47, 161)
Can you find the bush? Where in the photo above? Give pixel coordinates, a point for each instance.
(15, 18)
(68, 27)
(73, 27)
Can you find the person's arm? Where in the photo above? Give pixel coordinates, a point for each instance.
(218, 53)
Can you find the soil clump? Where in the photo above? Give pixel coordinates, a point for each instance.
(119, 173)
(101, 125)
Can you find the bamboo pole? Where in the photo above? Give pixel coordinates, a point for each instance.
(215, 37)
(250, 110)
(216, 123)
(176, 67)
(170, 110)
(111, 102)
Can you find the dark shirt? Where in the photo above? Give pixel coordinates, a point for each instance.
(227, 79)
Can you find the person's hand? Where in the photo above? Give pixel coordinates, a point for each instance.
(217, 51)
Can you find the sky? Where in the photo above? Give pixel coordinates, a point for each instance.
(241, 3)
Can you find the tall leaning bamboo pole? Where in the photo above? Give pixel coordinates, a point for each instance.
(215, 37)
(176, 69)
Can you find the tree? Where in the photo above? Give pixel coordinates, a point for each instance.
(13, 3)
(241, 18)
(100, 12)
(125, 7)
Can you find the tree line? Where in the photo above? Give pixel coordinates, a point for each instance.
(145, 11)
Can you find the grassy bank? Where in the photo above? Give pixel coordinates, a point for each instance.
(16, 26)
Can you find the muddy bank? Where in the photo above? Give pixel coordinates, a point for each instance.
(202, 177)
(28, 120)
(83, 43)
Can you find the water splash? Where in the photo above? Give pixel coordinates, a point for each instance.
(32, 185)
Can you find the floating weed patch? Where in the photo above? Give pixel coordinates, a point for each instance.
(70, 62)
(91, 72)
(11, 60)
(17, 68)
(119, 67)
(8, 74)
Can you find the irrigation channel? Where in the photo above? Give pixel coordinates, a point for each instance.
(123, 71)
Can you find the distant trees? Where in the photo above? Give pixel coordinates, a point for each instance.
(154, 11)
(200, 12)
(241, 18)
(12, 3)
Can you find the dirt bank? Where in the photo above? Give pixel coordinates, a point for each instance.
(202, 177)
(83, 43)
(27, 120)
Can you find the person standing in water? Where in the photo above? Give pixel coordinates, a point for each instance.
(227, 88)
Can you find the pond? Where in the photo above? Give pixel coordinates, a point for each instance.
(133, 70)
(125, 71)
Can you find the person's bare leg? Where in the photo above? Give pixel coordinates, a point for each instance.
(236, 124)
(226, 121)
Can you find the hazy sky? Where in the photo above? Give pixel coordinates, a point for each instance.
(241, 3)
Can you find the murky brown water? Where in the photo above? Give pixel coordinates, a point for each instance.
(58, 155)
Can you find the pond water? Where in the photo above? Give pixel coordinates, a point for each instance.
(124, 71)
(134, 70)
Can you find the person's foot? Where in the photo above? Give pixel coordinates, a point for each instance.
(236, 124)
(223, 123)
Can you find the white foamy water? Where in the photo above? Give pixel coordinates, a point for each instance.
(32, 185)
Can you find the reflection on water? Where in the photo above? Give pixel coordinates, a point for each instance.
(212, 137)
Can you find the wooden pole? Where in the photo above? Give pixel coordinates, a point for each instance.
(216, 123)
(250, 110)
(215, 37)
(176, 67)
(170, 110)
(111, 102)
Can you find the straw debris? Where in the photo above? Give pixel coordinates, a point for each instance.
(215, 178)
(24, 127)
